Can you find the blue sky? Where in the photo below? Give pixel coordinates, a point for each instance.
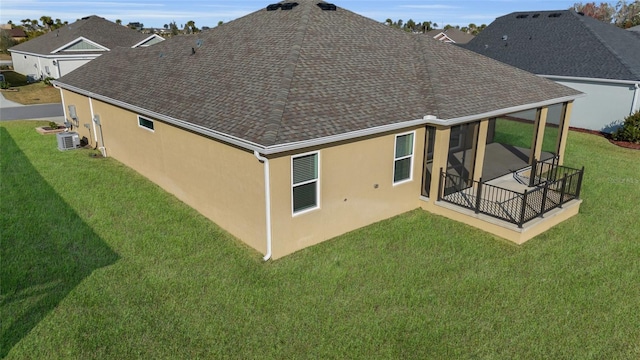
(156, 13)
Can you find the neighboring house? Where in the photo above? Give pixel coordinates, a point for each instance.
(63, 50)
(16, 34)
(451, 35)
(298, 123)
(578, 51)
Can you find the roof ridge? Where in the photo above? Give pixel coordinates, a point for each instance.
(427, 90)
(274, 121)
(602, 41)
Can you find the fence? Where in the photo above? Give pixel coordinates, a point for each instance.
(555, 186)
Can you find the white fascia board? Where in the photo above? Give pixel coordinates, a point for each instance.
(81, 38)
(505, 111)
(147, 39)
(604, 81)
(59, 56)
(275, 149)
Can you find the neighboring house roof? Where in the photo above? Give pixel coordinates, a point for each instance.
(561, 43)
(635, 28)
(451, 35)
(96, 34)
(279, 77)
(17, 33)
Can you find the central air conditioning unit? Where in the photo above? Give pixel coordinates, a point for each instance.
(68, 141)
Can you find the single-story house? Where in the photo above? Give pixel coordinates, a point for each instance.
(451, 35)
(300, 122)
(63, 50)
(16, 34)
(598, 59)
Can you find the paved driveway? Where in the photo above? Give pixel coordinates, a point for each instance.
(10, 110)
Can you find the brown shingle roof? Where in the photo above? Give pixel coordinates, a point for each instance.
(277, 77)
(94, 28)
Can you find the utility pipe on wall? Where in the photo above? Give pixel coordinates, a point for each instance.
(267, 195)
(636, 93)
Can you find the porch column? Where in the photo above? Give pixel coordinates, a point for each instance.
(538, 134)
(440, 157)
(481, 146)
(564, 130)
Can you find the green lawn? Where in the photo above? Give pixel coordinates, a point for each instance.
(97, 262)
(520, 134)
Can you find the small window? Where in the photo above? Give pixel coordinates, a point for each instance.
(145, 123)
(305, 183)
(403, 159)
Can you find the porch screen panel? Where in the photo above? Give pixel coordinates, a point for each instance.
(305, 182)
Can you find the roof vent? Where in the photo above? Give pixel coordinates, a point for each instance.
(273, 7)
(522, 16)
(327, 6)
(85, 18)
(580, 13)
(555, 15)
(535, 16)
(505, 37)
(199, 42)
(288, 6)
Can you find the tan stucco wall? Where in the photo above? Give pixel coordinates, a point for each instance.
(226, 184)
(349, 198)
(222, 182)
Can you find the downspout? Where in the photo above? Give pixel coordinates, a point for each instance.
(267, 200)
(93, 116)
(636, 92)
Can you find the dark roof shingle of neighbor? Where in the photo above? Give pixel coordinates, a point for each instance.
(94, 28)
(285, 76)
(561, 43)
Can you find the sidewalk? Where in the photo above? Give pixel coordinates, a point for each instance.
(4, 103)
(10, 110)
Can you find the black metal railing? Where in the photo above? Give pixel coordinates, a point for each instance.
(561, 185)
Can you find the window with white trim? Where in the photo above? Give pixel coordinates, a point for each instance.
(145, 123)
(403, 158)
(305, 183)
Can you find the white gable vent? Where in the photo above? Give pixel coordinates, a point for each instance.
(68, 141)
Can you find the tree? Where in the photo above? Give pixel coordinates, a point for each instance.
(174, 28)
(220, 22)
(118, 21)
(47, 22)
(190, 27)
(627, 15)
(603, 12)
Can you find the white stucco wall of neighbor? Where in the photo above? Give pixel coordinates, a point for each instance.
(605, 106)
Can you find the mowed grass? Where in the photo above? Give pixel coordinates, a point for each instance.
(520, 134)
(97, 262)
(29, 94)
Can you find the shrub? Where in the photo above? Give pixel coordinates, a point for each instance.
(47, 81)
(53, 125)
(4, 85)
(630, 130)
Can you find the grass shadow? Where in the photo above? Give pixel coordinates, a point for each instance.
(46, 248)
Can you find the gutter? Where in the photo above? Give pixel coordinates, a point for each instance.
(491, 114)
(606, 81)
(275, 149)
(267, 200)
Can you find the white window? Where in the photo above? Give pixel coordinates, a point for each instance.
(145, 123)
(305, 183)
(403, 159)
